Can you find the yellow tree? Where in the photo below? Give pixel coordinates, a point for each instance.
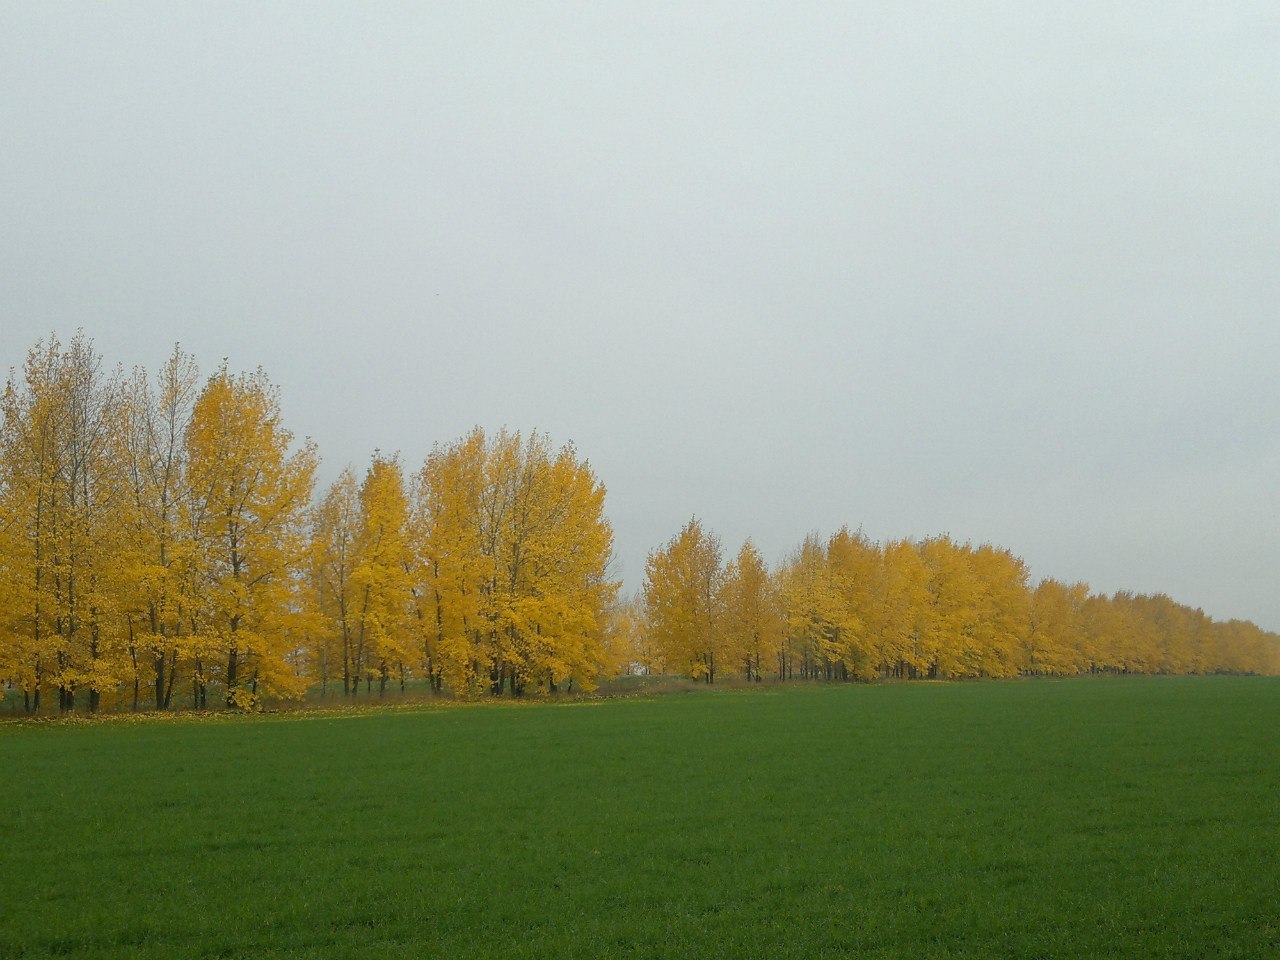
(334, 527)
(1242, 647)
(1138, 637)
(30, 486)
(156, 557)
(1054, 627)
(955, 596)
(557, 552)
(62, 489)
(548, 545)
(450, 561)
(682, 600)
(821, 627)
(626, 641)
(857, 566)
(907, 619)
(512, 549)
(1104, 636)
(380, 577)
(250, 497)
(754, 627)
(1003, 620)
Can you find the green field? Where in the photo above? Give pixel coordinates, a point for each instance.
(1078, 818)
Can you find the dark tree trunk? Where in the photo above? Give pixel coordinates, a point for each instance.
(173, 676)
(199, 688)
(161, 699)
(233, 664)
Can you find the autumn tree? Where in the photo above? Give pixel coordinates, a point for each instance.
(157, 553)
(1054, 626)
(379, 580)
(682, 601)
(754, 625)
(61, 490)
(1003, 611)
(907, 618)
(447, 504)
(550, 545)
(334, 528)
(627, 645)
(513, 549)
(822, 629)
(250, 499)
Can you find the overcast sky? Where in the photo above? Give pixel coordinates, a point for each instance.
(1005, 270)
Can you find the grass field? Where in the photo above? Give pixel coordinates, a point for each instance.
(1079, 818)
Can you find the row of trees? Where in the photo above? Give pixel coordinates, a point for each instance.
(161, 543)
(848, 608)
(158, 538)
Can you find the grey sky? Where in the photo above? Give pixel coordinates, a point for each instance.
(1004, 270)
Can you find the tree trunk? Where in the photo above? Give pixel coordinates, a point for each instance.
(497, 677)
(233, 663)
(159, 668)
(199, 689)
(346, 665)
(173, 676)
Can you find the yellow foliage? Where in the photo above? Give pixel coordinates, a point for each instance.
(682, 601)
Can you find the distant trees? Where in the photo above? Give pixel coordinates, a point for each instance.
(161, 544)
(846, 608)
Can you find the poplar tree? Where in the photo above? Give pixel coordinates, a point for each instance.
(821, 626)
(754, 627)
(682, 601)
(61, 489)
(158, 553)
(334, 529)
(379, 579)
(250, 499)
(1053, 628)
(445, 519)
(907, 613)
(512, 547)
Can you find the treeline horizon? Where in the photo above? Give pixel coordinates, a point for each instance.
(163, 543)
(847, 608)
